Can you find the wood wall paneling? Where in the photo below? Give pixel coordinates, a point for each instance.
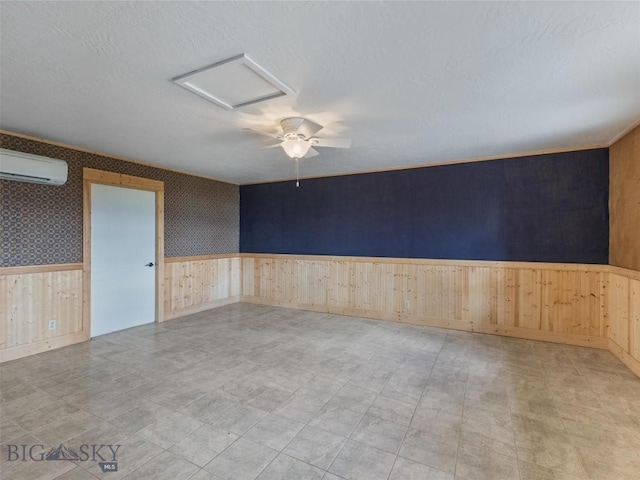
(623, 307)
(624, 201)
(634, 319)
(4, 312)
(29, 300)
(555, 302)
(201, 283)
(589, 305)
(623, 303)
(618, 313)
(31, 296)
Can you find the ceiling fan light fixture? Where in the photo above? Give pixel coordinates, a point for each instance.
(296, 148)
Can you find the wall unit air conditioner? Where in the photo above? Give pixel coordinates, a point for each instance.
(24, 167)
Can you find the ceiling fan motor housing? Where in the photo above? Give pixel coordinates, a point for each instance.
(290, 128)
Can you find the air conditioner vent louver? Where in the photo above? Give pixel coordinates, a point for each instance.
(24, 167)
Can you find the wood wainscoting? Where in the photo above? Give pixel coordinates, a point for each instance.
(624, 316)
(32, 296)
(587, 305)
(541, 301)
(194, 284)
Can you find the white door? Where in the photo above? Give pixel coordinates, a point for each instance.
(123, 286)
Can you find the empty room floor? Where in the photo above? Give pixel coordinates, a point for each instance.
(245, 391)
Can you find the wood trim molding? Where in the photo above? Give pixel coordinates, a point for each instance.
(624, 133)
(441, 164)
(86, 259)
(160, 254)
(633, 274)
(467, 326)
(201, 307)
(624, 357)
(90, 176)
(354, 172)
(20, 351)
(581, 267)
(625, 272)
(198, 258)
(121, 180)
(61, 267)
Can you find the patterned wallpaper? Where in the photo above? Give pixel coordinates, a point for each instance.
(42, 224)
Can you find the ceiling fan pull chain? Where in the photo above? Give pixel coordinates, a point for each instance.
(297, 173)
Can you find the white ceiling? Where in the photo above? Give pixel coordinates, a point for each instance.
(411, 83)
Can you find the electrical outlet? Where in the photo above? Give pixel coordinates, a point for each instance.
(407, 304)
(52, 324)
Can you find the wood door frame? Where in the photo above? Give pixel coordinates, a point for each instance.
(90, 176)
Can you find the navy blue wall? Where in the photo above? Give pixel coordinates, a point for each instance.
(549, 208)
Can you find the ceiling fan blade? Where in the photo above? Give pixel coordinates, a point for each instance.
(273, 146)
(308, 128)
(311, 153)
(261, 132)
(331, 142)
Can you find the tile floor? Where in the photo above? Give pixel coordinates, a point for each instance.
(245, 392)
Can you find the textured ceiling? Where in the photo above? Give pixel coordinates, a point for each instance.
(411, 83)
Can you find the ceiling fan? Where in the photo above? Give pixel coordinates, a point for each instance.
(297, 139)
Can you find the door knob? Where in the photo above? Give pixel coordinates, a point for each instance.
(150, 264)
